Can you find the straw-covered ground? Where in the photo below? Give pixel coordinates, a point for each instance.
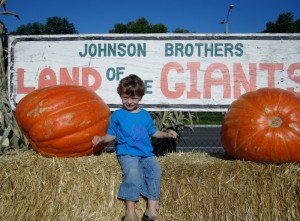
(195, 186)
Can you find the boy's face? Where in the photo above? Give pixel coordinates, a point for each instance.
(130, 103)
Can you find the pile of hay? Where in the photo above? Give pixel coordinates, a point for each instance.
(195, 186)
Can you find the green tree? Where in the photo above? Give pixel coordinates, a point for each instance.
(158, 28)
(181, 30)
(54, 25)
(284, 24)
(297, 26)
(141, 25)
(34, 28)
(57, 25)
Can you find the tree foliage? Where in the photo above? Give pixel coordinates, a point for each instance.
(284, 24)
(54, 25)
(141, 25)
(181, 30)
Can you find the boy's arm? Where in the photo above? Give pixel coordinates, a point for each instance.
(105, 139)
(161, 134)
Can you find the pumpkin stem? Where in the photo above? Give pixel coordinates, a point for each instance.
(275, 121)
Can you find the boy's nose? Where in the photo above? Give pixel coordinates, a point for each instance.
(130, 100)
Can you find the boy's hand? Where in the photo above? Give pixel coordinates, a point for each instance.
(97, 140)
(172, 134)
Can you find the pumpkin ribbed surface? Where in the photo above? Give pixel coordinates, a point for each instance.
(263, 126)
(62, 120)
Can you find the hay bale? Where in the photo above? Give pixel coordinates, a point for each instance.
(195, 186)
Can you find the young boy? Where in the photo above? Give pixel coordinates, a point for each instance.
(132, 127)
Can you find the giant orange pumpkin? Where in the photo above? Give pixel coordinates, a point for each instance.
(263, 126)
(62, 120)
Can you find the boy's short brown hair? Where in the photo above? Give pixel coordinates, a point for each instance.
(131, 85)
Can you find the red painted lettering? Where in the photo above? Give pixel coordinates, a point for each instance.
(194, 92)
(164, 83)
(271, 68)
(47, 78)
(209, 81)
(65, 77)
(291, 71)
(90, 72)
(21, 89)
(239, 78)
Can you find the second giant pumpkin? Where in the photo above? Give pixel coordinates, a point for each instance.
(263, 126)
(62, 120)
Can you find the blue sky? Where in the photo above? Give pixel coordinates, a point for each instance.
(200, 16)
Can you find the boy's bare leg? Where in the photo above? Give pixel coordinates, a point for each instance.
(151, 209)
(130, 210)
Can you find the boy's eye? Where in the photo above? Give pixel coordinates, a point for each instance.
(128, 97)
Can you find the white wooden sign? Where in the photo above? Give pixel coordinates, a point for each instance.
(196, 72)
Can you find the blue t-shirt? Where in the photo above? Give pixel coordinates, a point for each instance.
(132, 131)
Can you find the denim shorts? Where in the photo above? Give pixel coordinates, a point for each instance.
(141, 176)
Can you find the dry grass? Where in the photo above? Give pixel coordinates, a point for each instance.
(195, 186)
